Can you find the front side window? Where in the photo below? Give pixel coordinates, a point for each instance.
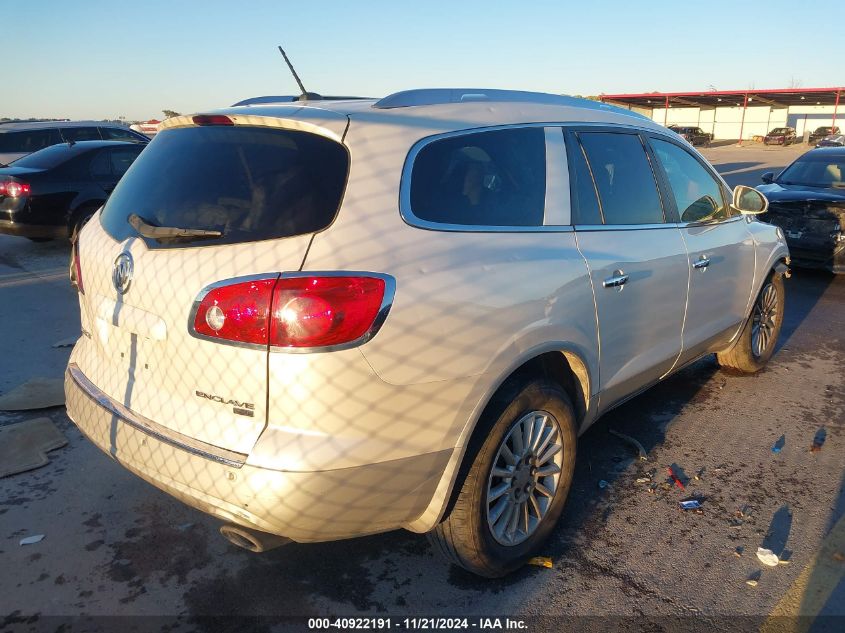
(623, 176)
(495, 178)
(697, 193)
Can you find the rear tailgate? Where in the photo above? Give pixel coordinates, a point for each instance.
(267, 190)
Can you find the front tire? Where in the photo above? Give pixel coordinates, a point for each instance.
(514, 491)
(759, 336)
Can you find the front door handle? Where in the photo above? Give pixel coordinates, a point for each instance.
(618, 280)
(702, 263)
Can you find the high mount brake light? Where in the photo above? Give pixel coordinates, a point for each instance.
(212, 119)
(14, 189)
(314, 311)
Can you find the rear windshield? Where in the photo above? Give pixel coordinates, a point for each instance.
(249, 183)
(46, 158)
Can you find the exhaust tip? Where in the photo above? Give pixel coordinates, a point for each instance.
(252, 540)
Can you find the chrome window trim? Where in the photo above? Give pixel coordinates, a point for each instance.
(583, 228)
(381, 316)
(557, 208)
(153, 429)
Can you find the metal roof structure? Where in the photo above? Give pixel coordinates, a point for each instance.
(777, 98)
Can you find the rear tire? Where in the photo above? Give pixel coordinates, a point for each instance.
(759, 336)
(514, 491)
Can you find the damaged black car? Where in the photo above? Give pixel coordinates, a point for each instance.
(807, 201)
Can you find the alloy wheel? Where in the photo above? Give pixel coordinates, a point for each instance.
(524, 478)
(764, 318)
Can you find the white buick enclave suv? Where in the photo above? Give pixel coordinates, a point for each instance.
(323, 319)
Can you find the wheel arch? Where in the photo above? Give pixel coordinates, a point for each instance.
(561, 363)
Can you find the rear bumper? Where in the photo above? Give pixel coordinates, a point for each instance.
(303, 506)
(10, 227)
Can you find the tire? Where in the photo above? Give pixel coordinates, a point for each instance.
(470, 535)
(756, 344)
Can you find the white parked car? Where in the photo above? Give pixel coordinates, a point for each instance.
(327, 319)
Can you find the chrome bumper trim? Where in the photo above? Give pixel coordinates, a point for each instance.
(147, 426)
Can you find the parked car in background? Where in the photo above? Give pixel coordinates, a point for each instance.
(19, 138)
(834, 140)
(821, 132)
(269, 337)
(51, 193)
(695, 135)
(780, 136)
(807, 201)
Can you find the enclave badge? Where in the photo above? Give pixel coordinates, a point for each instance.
(122, 271)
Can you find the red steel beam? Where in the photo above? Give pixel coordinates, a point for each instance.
(742, 123)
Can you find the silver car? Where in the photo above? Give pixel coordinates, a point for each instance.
(326, 319)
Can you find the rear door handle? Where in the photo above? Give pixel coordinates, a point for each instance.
(618, 280)
(703, 262)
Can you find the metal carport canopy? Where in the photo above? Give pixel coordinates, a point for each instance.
(777, 98)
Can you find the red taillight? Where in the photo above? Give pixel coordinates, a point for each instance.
(293, 312)
(76, 268)
(212, 119)
(237, 312)
(14, 189)
(323, 311)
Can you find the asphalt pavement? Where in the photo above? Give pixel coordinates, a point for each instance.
(114, 545)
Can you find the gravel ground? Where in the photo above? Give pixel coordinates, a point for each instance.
(116, 546)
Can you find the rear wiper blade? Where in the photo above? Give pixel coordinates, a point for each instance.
(156, 232)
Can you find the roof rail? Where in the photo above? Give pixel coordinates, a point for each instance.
(291, 98)
(435, 96)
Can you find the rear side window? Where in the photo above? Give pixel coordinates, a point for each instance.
(250, 183)
(623, 176)
(81, 134)
(29, 141)
(697, 193)
(495, 178)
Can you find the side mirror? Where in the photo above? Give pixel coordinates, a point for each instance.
(768, 177)
(749, 201)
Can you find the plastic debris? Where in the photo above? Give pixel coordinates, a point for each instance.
(541, 561)
(783, 562)
(778, 446)
(675, 478)
(690, 504)
(31, 540)
(603, 484)
(738, 551)
(643, 480)
(751, 582)
(767, 557)
(699, 474)
(630, 440)
(818, 441)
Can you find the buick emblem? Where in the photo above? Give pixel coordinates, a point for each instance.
(121, 275)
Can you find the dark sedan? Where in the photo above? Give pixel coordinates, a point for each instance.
(820, 132)
(807, 201)
(780, 136)
(52, 192)
(693, 135)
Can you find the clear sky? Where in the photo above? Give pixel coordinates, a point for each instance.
(110, 58)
